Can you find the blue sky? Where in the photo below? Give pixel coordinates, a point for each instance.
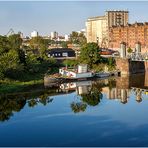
(62, 16)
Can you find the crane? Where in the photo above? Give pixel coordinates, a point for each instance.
(10, 32)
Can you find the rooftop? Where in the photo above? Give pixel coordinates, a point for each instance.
(117, 11)
(96, 18)
(61, 49)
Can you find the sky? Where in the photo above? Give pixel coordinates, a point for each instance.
(61, 16)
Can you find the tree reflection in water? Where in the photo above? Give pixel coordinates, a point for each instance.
(10, 105)
(92, 98)
(43, 99)
(78, 107)
(14, 103)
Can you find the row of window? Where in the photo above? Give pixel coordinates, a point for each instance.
(64, 54)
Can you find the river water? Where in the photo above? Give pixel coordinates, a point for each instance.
(110, 112)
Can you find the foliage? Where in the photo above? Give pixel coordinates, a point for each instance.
(14, 103)
(9, 62)
(15, 41)
(111, 64)
(129, 50)
(70, 63)
(90, 54)
(32, 63)
(77, 38)
(94, 96)
(98, 67)
(10, 105)
(4, 44)
(11, 86)
(78, 107)
(64, 44)
(19, 62)
(39, 44)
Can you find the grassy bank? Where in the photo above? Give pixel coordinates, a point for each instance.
(10, 86)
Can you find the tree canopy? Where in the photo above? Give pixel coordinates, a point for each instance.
(77, 38)
(90, 54)
(39, 44)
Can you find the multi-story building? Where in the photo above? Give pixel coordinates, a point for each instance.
(116, 18)
(97, 28)
(34, 34)
(54, 35)
(130, 34)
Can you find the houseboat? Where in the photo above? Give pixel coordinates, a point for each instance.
(78, 73)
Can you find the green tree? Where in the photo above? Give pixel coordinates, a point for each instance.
(70, 63)
(4, 44)
(32, 64)
(15, 41)
(74, 37)
(64, 44)
(90, 54)
(82, 39)
(9, 61)
(40, 44)
(77, 38)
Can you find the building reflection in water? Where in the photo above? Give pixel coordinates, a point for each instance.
(118, 89)
(81, 87)
(90, 91)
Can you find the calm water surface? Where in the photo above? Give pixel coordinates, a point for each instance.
(111, 112)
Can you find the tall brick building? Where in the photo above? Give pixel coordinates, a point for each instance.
(130, 34)
(97, 28)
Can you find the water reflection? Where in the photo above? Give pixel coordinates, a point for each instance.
(89, 93)
(14, 103)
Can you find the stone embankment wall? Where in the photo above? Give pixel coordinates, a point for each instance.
(128, 67)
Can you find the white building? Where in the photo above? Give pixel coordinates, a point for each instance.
(54, 35)
(66, 37)
(34, 34)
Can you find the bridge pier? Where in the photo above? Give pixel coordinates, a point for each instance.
(128, 67)
(133, 63)
(123, 65)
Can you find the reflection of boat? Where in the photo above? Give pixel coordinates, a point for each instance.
(81, 87)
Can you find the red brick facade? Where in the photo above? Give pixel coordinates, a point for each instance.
(130, 34)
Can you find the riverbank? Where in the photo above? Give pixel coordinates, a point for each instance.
(10, 86)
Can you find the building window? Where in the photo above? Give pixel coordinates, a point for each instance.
(65, 54)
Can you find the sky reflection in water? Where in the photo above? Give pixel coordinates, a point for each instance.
(89, 115)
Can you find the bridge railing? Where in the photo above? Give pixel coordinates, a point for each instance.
(138, 56)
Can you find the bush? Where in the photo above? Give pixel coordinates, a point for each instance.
(70, 63)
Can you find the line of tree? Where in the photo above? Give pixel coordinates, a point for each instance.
(17, 60)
